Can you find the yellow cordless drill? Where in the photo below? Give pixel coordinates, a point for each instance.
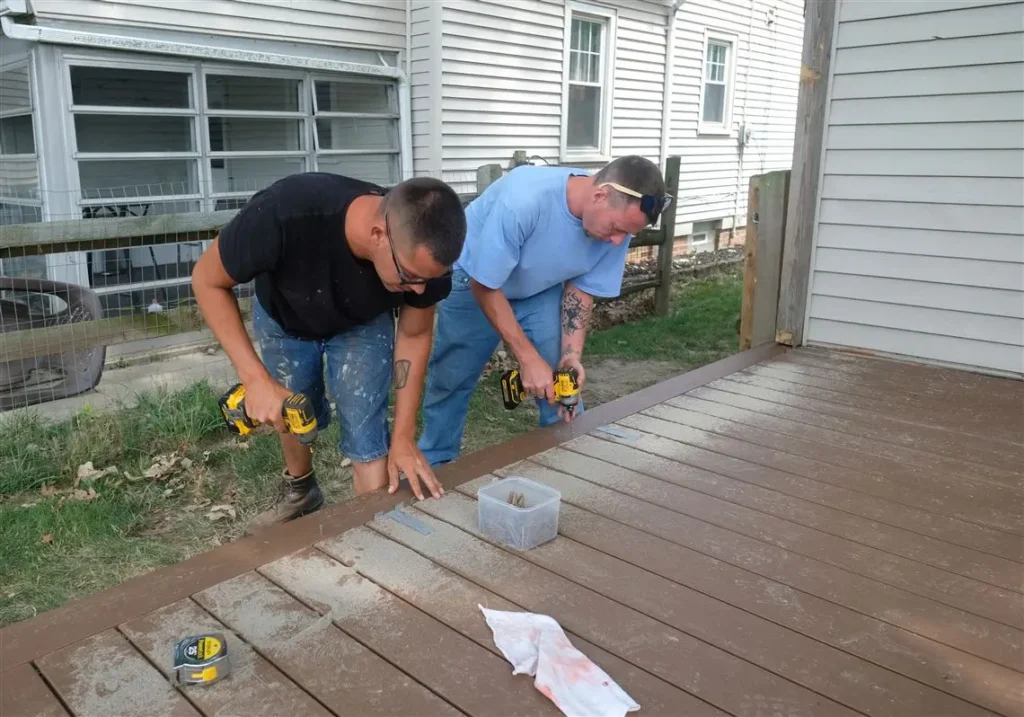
(297, 411)
(567, 388)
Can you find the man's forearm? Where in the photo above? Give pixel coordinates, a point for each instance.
(220, 312)
(412, 351)
(577, 307)
(499, 312)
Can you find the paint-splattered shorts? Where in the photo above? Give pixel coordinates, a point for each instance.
(356, 373)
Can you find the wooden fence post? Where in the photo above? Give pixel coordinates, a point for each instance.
(767, 206)
(487, 175)
(663, 293)
(820, 18)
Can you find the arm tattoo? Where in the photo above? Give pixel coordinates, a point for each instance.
(575, 314)
(402, 372)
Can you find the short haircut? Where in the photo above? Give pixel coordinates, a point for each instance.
(633, 172)
(430, 214)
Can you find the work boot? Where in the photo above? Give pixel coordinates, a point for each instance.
(298, 497)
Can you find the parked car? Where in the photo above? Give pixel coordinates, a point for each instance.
(39, 303)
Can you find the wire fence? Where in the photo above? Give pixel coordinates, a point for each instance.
(96, 303)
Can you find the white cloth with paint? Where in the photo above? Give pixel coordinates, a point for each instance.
(537, 646)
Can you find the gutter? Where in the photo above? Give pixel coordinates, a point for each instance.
(57, 36)
(666, 110)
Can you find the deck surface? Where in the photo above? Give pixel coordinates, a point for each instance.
(796, 533)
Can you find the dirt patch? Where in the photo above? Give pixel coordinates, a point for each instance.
(610, 378)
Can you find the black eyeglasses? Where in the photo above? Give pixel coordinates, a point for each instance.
(650, 205)
(402, 276)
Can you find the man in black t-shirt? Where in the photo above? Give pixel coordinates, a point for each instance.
(332, 259)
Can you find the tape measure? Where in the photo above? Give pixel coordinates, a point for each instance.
(201, 659)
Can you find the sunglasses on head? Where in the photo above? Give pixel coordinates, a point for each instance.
(650, 205)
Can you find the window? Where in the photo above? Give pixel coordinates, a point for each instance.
(699, 241)
(717, 85)
(589, 51)
(160, 137)
(20, 199)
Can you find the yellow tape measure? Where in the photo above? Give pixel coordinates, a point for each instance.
(201, 659)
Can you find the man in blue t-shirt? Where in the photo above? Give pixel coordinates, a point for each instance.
(541, 243)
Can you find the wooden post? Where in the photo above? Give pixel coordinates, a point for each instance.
(663, 293)
(819, 24)
(767, 204)
(487, 175)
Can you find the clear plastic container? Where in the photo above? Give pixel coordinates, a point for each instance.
(520, 528)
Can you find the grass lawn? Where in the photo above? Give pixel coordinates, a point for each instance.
(167, 481)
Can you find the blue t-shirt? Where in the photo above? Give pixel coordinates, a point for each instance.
(521, 238)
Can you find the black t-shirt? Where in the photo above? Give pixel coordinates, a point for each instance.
(290, 238)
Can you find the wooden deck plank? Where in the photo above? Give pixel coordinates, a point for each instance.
(633, 471)
(888, 400)
(342, 674)
(24, 694)
(901, 484)
(943, 668)
(731, 478)
(256, 688)
(800, 564)
(470, 677)
(104, 675)
(834, 673)
(455, 600)
(669, 653)
(910, 376)
(844, 451)
(939, 441)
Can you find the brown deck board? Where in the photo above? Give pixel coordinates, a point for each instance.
(737, 480)
(943, 442)
(634, 473)
(24, 694)
(911, 377)
(816, 666)
(840, 449)
(455, 601)
(648, 643)
(468, 676)
(902, 484)
(342, 674)
(942, 668)
(996, 418)
(105, 676)
(256, 688)
(794, 560)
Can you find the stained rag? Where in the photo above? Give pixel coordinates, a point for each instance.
(537, 646)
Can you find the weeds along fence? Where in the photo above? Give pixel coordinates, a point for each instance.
(97, 307)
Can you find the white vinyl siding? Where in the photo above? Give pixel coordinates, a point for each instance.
(919, 241)
(350, 23)
(766, 41)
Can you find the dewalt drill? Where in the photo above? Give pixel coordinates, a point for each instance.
(567, 389)
(297, 411)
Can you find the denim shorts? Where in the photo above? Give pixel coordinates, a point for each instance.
(356, 375)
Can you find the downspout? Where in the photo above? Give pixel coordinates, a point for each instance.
(405, 101)
(742, 134)
(666, 109)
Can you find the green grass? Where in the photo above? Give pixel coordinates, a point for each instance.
(54, 548)
(700, 327)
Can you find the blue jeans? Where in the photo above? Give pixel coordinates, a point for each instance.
(358, 376)
(463, 343)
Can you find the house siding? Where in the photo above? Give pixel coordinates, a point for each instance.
(919, 237)
(715, 173)
(350, 23)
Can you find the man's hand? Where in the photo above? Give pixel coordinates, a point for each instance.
(264, 400)
(571, 361)
(538, 378)
(406, 458)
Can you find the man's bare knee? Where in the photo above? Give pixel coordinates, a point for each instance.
(370, 476)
